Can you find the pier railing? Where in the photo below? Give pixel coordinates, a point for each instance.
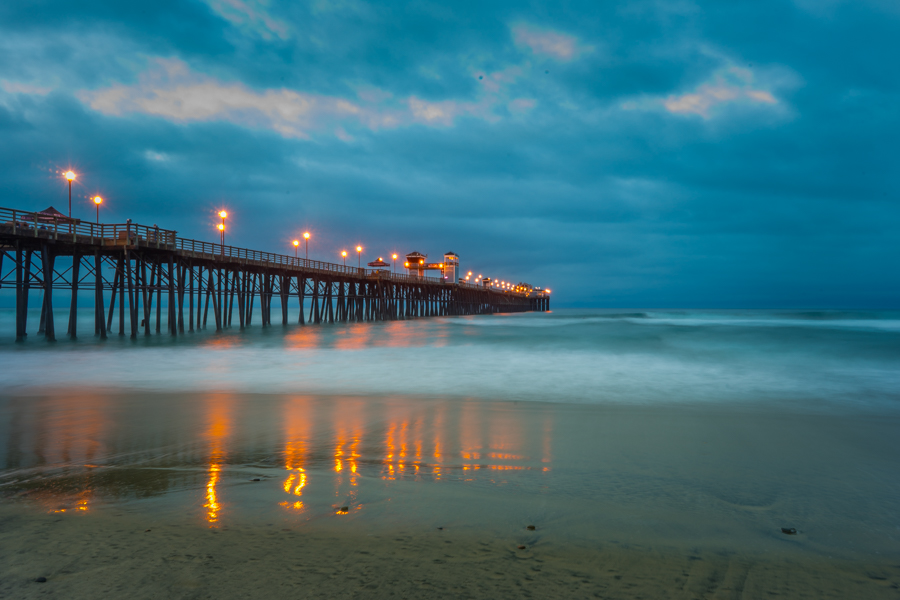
(57, 227)
(61, 228)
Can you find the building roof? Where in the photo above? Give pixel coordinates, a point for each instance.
(50, 215)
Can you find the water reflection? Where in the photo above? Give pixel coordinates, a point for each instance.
(297, 434)
(332, 452)
(218, 409)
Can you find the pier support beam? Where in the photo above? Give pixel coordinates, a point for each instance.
(47, 316)
(99, 303)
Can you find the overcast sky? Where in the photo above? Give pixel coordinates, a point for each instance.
(648, 153)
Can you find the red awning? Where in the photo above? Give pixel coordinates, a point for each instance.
(50, 215)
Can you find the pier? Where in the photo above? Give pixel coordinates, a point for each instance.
(132, 269)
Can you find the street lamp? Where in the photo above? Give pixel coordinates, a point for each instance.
(70, 176)
(344, 256)
(221, 226)
(306, 237)
(393, 263)
(359, 257)
(98, 201)
(296, 244)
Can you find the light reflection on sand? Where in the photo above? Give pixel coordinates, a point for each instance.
(217, 431)
(341, 444)
(297, 432)
(221, 458)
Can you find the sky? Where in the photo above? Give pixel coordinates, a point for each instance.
(656, 153)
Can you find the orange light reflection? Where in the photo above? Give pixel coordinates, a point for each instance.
(298, 426)
(217, 431)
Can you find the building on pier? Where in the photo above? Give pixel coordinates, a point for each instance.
(451, 267)
(415, 262)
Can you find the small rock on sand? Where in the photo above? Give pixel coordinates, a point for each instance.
(788, 531)
(530, 528)
(41, 580)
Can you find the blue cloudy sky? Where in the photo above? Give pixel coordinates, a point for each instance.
(646, 153)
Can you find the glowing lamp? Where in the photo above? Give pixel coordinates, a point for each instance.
(344, 253)
(98, 200)
(296, 243)
(223, 214)
(359, 248)
(221, 226)
(394, 256)
(70, 175)
(406, 264)
(305, 235)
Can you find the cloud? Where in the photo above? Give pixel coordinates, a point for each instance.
(521, 105)
(434, 112)
(497, 81)
(554, 44)
(15, 87)
(728, 85)
(156, 156)
(251, 16)
(170, 90)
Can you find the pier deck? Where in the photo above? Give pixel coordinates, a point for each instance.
(135, 266)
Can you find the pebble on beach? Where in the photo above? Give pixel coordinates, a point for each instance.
(789, 531)
(530, 528)
(41, 580)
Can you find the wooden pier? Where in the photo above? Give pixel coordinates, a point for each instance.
(131, 269)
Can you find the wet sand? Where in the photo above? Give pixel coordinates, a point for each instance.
(243, 496)
(119, 555)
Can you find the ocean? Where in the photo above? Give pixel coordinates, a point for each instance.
(690, 445)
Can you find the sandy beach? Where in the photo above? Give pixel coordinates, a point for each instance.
(117, 555)
(222, 495)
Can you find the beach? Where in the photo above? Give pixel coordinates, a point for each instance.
(115, 555)
(707, 493)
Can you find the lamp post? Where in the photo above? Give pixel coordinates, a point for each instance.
(344, 256)
(222, 214)
(296, 244)
(70, 176)
(98, 201)
(306, 237)
(359, 257)
(393, 264)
